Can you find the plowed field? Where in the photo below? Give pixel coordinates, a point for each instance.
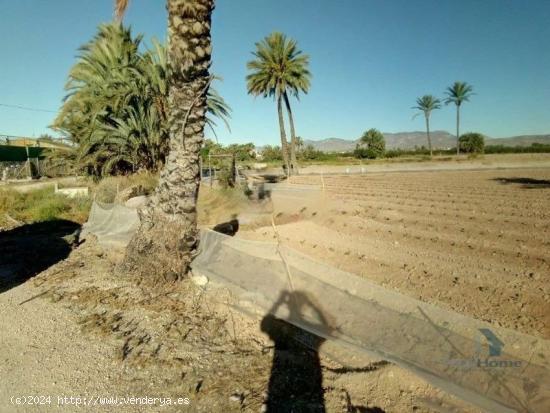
(476, 242)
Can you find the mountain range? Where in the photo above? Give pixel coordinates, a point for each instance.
(410, 140)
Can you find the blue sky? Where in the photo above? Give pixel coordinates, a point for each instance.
(370, 60)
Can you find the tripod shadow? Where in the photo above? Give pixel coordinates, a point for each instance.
(296, 381)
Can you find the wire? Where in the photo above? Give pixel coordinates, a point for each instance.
(27, 108)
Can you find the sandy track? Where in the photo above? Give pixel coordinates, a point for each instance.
(44, 353)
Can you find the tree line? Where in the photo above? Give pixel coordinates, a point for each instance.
(115, 111)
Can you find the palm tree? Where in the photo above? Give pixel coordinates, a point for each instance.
(116, 107)
(426, 104)
(280, 69)
(167, 239)
(457, 93)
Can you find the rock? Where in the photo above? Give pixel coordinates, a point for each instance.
(199, 279)
(131, 192)
(136, 202)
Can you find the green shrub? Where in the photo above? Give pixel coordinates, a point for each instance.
(226, 175)
(364, 153)
(49, 208)
(533, 148)
(272, 153)
(371, 145)
(472, 143)
(41, 205)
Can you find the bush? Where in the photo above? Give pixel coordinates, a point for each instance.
(372, 145)
(41, 205)
(49, 208)
(472, 143)
(272, 153)
(534, 148)
(364, 153)
(309, 153)
(227, 174)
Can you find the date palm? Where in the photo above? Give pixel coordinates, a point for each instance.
(280, 69)
(427, 104)
(167, 239)
(116, 106)
(458, 93)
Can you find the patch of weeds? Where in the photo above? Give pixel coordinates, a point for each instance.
(41, 205)
(107, 189)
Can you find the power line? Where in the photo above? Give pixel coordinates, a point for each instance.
(27, 108)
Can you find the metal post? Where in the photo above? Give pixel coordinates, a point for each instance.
(210, 169)
(28, 161)
(234, 167)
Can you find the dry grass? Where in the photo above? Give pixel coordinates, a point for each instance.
(108, 188)
(217, 205)
(40, 205)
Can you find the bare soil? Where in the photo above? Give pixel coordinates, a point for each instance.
(79, 329)
(476, 242)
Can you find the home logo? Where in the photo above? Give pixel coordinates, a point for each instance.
(487, 353)
(495, 345)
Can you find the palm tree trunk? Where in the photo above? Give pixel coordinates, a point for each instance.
(458, 129)
(428, 134)
(293, 160)
(167, 239)
(284, 144)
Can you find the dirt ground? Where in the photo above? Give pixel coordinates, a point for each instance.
(438, 163)
(79, 329)
(475, 242)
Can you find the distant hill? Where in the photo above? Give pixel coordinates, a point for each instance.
(410, 140)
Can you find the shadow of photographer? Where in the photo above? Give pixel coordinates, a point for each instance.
(296, 380)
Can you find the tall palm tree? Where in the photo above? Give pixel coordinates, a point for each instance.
(457, 93)
(167, 239)
(427, 104)
(280, 69)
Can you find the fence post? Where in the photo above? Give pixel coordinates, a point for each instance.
(28, 161)
(210, 169)
(234, 167)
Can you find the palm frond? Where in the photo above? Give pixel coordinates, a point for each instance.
(278, 67)
(427, 104)
(459, 92)
(116, 103)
